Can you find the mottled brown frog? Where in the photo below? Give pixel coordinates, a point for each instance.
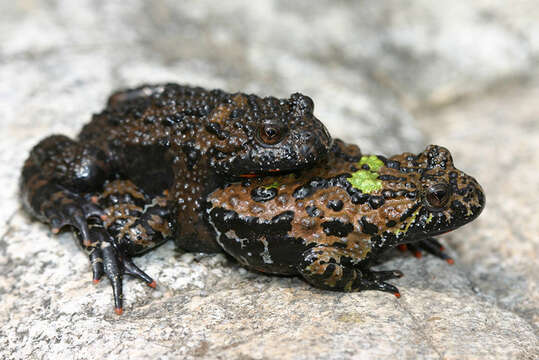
(327, 224)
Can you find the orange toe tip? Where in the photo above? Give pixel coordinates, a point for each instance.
(118, 311)
(402, 247)
(94, 199)
(95, 281)
(55, 230)
(103, 217)
(450, 261)
(397, 295)
(442, 248)
(418, 254)
(153, 284)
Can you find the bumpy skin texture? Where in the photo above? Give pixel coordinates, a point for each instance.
(186, 140)
(329, 223)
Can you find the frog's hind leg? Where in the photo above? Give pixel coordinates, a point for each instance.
(135, 223)
(55, 178)
(330, 268)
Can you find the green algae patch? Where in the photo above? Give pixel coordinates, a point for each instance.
(372, 161)
(365, 181)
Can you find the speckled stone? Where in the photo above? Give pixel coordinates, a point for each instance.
(373, 69)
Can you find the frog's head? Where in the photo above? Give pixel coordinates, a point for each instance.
(433, 196)
(271, 135)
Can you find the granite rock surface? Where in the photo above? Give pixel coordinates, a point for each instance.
(391, 76)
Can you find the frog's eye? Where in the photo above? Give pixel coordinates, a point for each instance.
(270, 133)
(438, 195)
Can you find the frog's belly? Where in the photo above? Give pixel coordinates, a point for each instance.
(275, 254)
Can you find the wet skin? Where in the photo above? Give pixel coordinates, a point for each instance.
(329, 223)
(154, 166)
(174, 144)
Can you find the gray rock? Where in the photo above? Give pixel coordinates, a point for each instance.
(364, 64)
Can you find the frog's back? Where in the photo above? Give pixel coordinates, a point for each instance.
(353, 207)
(234, 133)
(152, 114)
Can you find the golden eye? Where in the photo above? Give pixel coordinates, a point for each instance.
(438, 195)
(270, 133)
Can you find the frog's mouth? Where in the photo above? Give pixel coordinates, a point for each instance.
(269, 172)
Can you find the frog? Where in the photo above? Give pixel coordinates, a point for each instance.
(169, 145)
(330, 224)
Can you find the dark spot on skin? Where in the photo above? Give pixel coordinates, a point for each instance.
(376, 239)
(401, 193)
(391, 223)
(167, 121)
(313, 211)
(360, 198)
(367, 227)
(388, 178)
(318, 183)
(285, 218)
(237, 113)
(376, 201)
(411, 195)
(338, 244)
(302, 192)
(192, 154)
(407, 170)
(215, 129)
(335, 205)
(150, 120)
(337, 228)
(261, 194)
(392, 164)
(409, 212)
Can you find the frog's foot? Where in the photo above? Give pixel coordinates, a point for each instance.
(111, 260)
(65, 208)
(375, 280)
(429, 245)
(324, 268)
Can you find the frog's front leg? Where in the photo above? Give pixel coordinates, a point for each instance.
(55, 178)
(109, 257)
(332, 268)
